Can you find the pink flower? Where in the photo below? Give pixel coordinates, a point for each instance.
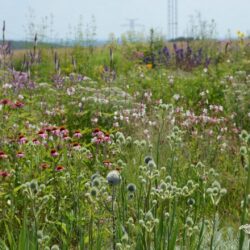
(54, 153)
(76, 146)
(4, 174)
(19, 154)
(3, 155)
(59, 168)
(22, 139)
(42, 134)
(44, 166)
(36, 142)
(77, 134)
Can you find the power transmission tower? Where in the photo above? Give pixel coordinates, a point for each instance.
(132, 24)
(172, 19)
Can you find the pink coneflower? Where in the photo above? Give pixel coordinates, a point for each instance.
(63, 131)
(107, 163)
(89, 155)
(54, 153)
(3, 155)
(42, 134)
(44, 166)
(96, 131)
(76, 146)
(5, 102)
(22, 139)
(36, 142)
(19, 154)
(77, 134)
(55, 131)
(66, 137)
(4, 174)
(59, 168)
(106, 138)
(18, 104)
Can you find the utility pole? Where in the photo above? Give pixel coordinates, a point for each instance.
(172, 19)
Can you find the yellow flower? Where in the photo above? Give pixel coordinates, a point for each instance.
(149, 65)
(240, 34)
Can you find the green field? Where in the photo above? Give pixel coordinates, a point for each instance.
(132, 145)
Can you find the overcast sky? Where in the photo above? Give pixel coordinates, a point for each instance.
(110, 15)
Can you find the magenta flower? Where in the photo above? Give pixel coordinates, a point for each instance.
(54, 153)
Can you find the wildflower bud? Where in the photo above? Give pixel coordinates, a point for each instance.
(154, 202)
(147, 159)
(55, 247)
(189, 221)
(168, 179)
(124, 238)
(209, 191)
(215, 191)
(149, 216)
(151, 164)
(223, 191)
(166, 215)
(131, 187)
(39, 234)
(243, 150)
(190, 201)
(141, 222)
(93, 191)
(96, 182)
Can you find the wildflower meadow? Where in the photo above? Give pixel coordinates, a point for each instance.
(127, 145)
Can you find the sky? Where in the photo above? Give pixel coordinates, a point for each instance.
(111, 16)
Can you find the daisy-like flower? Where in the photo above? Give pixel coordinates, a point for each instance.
(44, 166)
(76, 146)
(63, 131)
(22, 139)
(6, 102)
(36, 142)
(18, 104)
(42, 134)
(4, 174)
(107, 163)
(3, 155)
(19, 154)
(59, 168)
(54, 153)
(77, 134)
(55, 131)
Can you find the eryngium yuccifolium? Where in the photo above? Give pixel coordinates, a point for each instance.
(131, 187)
(243, 150)
(114, 177)
(96, 182)
(94, 176)
(151, 164)
(147, 159)
(190, 202)
(55, 247)
(93, 191)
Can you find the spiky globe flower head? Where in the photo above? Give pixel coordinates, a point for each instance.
(191, 202)
(147, 159)
(151, 164)
(114, 177)
(93, 191)
(55, 247)
(245, 228)
(131, 187)
(96, 182)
